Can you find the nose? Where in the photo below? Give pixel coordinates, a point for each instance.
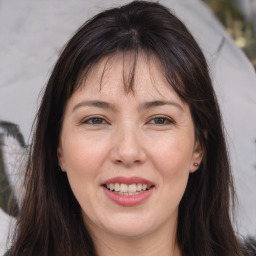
(128, 148)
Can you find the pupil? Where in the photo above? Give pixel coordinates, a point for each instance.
(97, 120)
(159, 120)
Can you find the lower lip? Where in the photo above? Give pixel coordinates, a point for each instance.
(128, 200)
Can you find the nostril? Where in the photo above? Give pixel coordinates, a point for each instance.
(128, 161)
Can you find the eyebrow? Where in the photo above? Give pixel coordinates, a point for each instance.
(95, 103)
(156, 103)
(143, 106)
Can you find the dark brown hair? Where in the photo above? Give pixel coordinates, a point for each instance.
(50, 221)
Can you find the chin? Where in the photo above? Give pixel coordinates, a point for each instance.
(129, 226)
(129, 232)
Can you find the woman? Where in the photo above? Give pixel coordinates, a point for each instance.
(128, 154)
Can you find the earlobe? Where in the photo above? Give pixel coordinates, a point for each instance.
(197, 157)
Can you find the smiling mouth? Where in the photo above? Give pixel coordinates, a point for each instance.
(127, 190)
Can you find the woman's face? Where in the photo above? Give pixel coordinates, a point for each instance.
(128, 155)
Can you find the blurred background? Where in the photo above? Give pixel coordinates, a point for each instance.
(239, 19)
(32, 34)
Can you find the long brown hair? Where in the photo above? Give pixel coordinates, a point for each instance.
(50, 221)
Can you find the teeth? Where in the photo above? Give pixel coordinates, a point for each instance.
(144, 187)
(117, 187)
(124, 189)
(132, 188)
(125, 194)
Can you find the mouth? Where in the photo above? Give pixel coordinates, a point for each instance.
(128, 189)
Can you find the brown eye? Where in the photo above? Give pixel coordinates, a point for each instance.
(161, 120)
(94, 121)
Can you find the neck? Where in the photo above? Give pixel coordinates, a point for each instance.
(161, 242)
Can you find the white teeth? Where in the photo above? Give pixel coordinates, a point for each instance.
(139, 187)
(124, 189)
(132, 188)
(125, 194)
(117, 187)
(112, 186)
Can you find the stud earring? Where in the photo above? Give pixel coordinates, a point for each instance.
(196, 164)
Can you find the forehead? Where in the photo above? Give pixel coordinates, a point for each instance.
(144, 75)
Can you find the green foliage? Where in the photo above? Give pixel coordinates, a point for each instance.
(242, 30)
(225, 10)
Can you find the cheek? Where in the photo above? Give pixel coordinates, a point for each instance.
(174, 170)
(172, 156)
(172, 160)
(82, 163)
(81, 156)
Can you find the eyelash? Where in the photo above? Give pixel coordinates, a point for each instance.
(90, 120)
(163, 120)
(158, 120)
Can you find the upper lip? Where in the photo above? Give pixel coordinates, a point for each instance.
(128, 180)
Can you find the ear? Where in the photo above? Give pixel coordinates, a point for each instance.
(197, 157)
(60, 158)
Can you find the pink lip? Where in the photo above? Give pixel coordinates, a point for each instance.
(128, 180)
(131, 200)
(128, 200)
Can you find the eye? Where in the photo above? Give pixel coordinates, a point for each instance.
(161, 120)
(95, 120)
